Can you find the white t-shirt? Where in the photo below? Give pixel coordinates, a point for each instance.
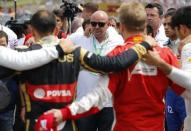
(161, 36)
(87, 80)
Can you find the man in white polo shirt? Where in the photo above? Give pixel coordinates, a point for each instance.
(101, 42)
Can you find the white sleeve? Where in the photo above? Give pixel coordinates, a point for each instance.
(186, 66)
(180, 77)
(97, 98)
(183, 77)
(26, 60)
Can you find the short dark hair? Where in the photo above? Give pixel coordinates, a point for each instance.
(157, 5)
(44, 21)
(93, 7)
(182, 17)
(3, 34)
(170, 12)
(171, 9)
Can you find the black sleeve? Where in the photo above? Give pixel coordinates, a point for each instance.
(5, 72)
(60, 50)
(112, 64)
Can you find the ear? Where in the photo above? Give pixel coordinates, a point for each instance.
(184, 29)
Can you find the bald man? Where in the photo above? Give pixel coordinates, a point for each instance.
(101, 42)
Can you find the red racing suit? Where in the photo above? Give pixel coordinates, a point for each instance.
(137, 94)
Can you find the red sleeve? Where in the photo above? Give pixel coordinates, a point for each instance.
(172, 60)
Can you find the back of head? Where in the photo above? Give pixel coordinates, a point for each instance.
(133, 16)
(43, 21)
(170, 12)
(182, 17)
(156, 5)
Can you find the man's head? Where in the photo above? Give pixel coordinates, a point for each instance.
(132, 18)
(43, 23)
(88, 9)
(99, 24)
(154, 14)
(169, 31)
(181, 22)
(3, 38)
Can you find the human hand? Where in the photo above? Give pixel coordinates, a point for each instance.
(30, 41)
(150, 40)
(67, 46)
(153, 58)
(57, 116)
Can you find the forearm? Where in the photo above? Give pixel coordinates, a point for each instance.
(180, 77)
(90, 103)
(115, 63)
(165, 67)
(26, 60)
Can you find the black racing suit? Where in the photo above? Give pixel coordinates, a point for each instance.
(50, 86)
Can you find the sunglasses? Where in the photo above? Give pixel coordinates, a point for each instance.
(100, 24)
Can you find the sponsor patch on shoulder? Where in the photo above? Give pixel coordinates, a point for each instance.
(189, 59)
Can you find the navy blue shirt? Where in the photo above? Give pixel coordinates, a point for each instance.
(175, 111)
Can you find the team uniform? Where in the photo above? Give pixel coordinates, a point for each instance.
(50, 86)
(137, 94)
(54, 84)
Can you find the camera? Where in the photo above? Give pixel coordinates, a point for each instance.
(70, 9)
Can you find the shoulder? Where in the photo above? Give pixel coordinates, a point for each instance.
(167, 55)
(186, 52)
(77, 38)
(187, 47)
(186, 57)
(120, 48)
